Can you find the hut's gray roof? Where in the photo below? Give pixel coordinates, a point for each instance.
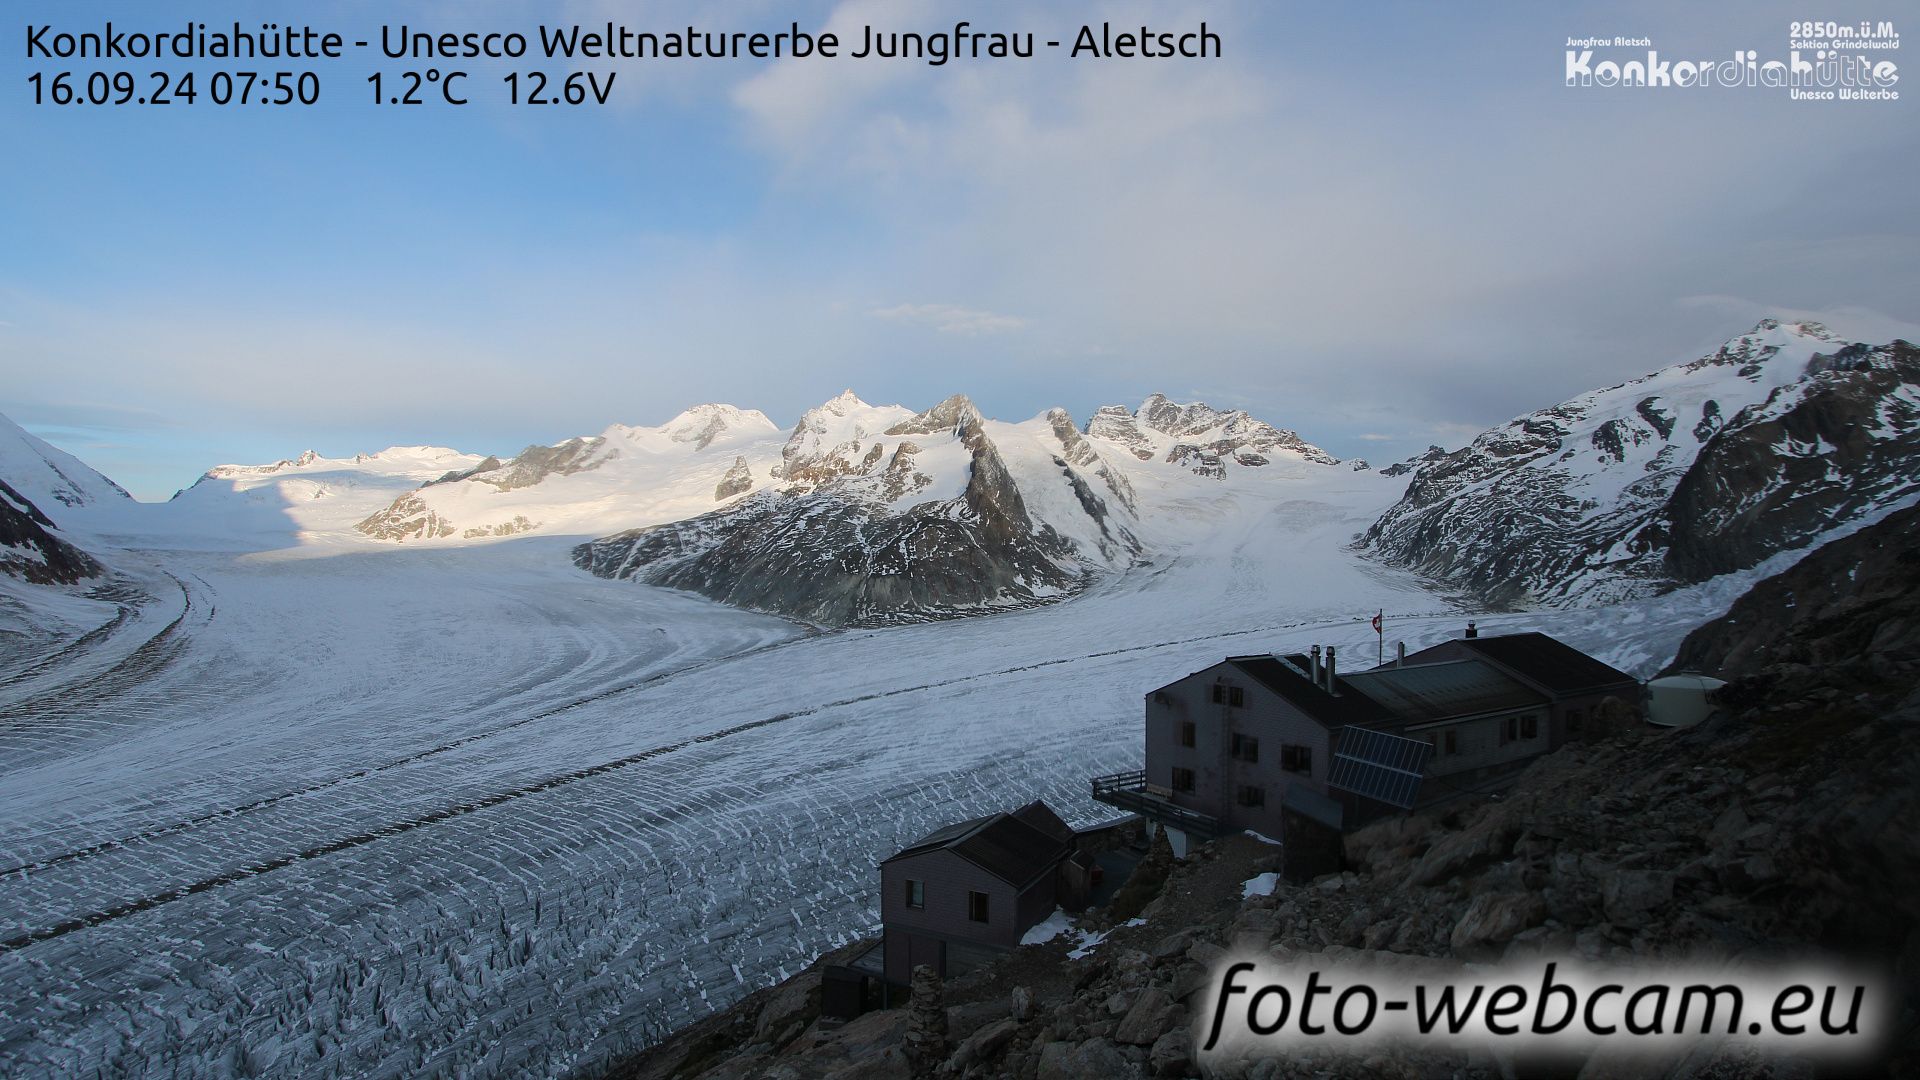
(1419, 693)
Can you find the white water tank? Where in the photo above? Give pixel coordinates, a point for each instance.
(1680, 701)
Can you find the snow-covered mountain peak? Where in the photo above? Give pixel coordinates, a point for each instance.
(831, 437)
(704, 425)
(1198, 437)
(402, 462)
(49, 476)
(1586, 499)
(954, 415)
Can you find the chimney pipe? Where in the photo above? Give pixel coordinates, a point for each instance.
(1313, 664)
(1330, 669)
(1399, 654)
(1472, 630)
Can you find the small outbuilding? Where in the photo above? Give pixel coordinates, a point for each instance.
(962, 894)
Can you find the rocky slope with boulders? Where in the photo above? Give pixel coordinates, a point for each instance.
(1775, 440)
(1780, 828)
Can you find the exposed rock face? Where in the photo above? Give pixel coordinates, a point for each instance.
(1814, 456)
(29, 550)
(863, 531)
(1850, 608)
(739, 479)
(1199, 437)
(1402, 468)
(1764, 445)
(536, 463)
(828, 440)
(409, 518)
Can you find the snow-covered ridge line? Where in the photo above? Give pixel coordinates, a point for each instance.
(1702, 468)
(710, 456)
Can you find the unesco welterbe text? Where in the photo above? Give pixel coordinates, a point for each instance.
(614, 41)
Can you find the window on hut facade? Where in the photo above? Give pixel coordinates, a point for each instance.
(1229, 695)
(916, 894)
(1186, 733)
(1296, 758)
(977, 906)
(1252, 796)
(1182, 779)
(1529, 726)
(1244, 748)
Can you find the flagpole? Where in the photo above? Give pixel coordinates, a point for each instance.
(1380, 638)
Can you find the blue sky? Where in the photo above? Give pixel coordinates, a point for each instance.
(1383, 228)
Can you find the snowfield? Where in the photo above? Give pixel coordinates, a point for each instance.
(323, 806)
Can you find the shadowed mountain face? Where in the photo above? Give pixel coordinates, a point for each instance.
(846, 542)
(1771, 442)
(1852, 607)
(29, 549)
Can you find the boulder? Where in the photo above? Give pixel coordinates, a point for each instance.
(1153, 1014)
(1494, 918)
(983, 1045)
(1630, 897)
(1094, 1059)
(1172, 1053)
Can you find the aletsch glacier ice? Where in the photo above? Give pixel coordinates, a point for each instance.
(316, 782)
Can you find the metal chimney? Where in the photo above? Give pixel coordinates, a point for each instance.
(1399, 654)
(1472, 630)
(1329, 675)
(1313, 664)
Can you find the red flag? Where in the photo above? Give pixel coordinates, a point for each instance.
(1376, 623)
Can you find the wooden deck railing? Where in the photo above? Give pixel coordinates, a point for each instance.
(1130, 791)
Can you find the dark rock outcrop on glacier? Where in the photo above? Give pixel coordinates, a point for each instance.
(834, 549)
(739, 479)
(29, 550)
(1765, 445)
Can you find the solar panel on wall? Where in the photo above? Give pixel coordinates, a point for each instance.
(1380, 766)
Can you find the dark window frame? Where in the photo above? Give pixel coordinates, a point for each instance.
(1244, 747)
(1296, 758)
(1451, 741)
(1530, 726)
(916, 894)
(1188, 734)
(1252, 796)
(1177, 775)
(979, 908)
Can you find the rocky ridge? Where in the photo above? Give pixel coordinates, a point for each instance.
(919, 518)
(1767, 444)
(30, 548)
(1199, 437)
